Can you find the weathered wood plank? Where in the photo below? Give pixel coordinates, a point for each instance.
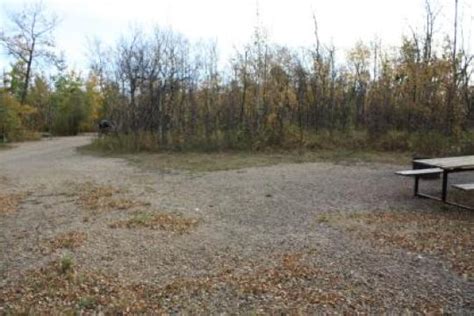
(464, 187)
(449, 162)
(418, 172)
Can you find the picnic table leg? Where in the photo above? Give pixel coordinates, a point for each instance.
(417, 181)
(444, 193)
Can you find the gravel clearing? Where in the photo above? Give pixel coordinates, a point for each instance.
(257, 243)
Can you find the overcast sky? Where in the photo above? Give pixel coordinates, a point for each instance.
(231, 22)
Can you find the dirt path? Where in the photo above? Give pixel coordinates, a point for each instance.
(250, 222)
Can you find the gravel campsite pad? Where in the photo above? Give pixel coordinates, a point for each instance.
(82, 233)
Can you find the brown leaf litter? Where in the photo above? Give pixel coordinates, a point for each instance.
(449, 235)
(51, 290)
(9, 203)
(103, 198)
(290, 285)
(161, 221)
(69, 240)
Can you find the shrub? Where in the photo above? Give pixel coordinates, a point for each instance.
(394, 141)
(66, 264)
(10, 123)
(466, 144)
(432, 144)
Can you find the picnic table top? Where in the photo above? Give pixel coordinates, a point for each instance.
(461, 162)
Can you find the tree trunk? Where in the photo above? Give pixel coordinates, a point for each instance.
(24, 93)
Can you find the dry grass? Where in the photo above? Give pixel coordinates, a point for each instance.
(448, 235)
(167, 222)
(9, 203)
(232, 160)
(69, 240)
(205, 162)
(103, 198)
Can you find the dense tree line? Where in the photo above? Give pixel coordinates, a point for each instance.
(164, 85)
(30, 102)
(175, 93)
(63, 105)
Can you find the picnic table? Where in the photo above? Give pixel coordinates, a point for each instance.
(444, 166)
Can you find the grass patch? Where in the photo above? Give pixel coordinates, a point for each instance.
(448, 235)
(219, 161)
(167, 222)
(103, 198)
(9, 203)
(87, 303)
(70, 240)
(395, 147)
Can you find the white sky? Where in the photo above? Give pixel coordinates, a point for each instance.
(231, 22)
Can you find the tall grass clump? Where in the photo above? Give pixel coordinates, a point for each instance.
(126, 143)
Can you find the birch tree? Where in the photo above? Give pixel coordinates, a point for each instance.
(29, 38)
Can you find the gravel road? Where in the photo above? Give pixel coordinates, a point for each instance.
(248, 219)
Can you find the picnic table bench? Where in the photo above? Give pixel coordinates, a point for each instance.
(443, 166)
(464, 187)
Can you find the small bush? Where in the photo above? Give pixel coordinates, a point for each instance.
(13, 116)
(87, 302)
(66, 264)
